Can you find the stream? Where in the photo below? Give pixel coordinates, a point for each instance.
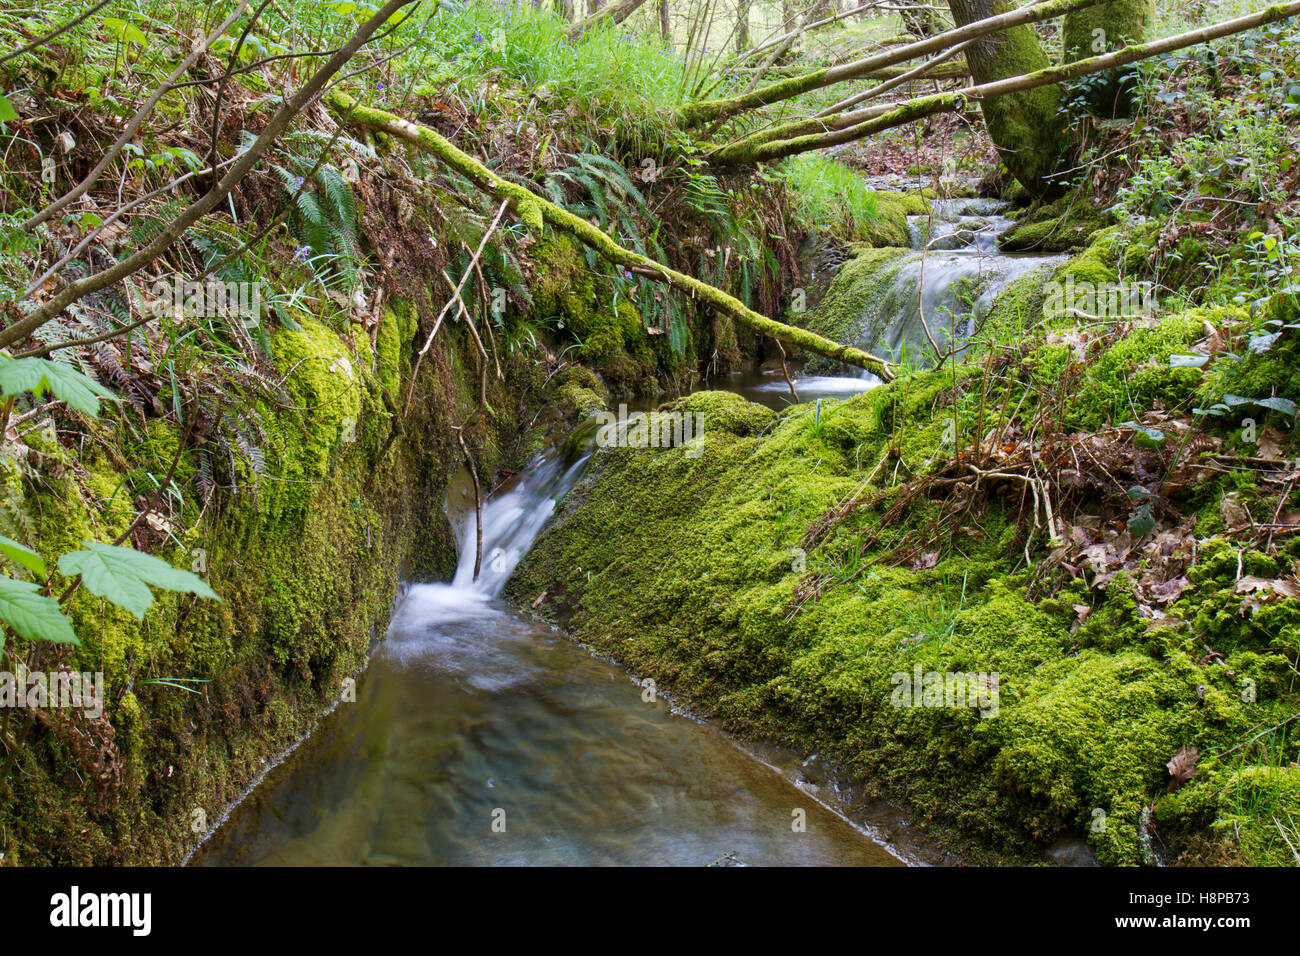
(481, 737)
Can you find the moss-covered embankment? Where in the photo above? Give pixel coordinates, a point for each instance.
(330, 506)
(781, 577)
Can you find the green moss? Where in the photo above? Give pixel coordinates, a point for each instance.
(1134, 374)
(857, 283)
(724, 411)
(696, 570)
(1067, 224)
(890, 226)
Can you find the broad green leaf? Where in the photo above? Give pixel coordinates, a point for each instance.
(33, 615)
(37, 375)
(21, 554)
(123, 575)
(7, 112)
(1278, 404)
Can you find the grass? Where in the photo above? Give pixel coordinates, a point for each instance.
(830, 192)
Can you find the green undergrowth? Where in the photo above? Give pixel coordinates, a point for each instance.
(835, 199)
(307, 556)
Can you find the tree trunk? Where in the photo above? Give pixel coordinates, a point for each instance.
(665, 24)
(1101, 30)
(1024, 126)
(565, 8)
(742, 25)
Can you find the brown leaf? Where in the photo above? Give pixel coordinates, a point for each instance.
(926, 561)
(1232, 511)
(1182, 767)
(1270, 442)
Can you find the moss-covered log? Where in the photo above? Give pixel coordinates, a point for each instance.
(761, 148)
(697, 114)
(535, 211)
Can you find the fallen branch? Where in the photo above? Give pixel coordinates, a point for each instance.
(769, 145)
(535, 211)
(455, 298)
(697, 114)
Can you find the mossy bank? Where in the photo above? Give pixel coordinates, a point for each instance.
(782, 575)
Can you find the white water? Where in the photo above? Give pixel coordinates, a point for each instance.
(512, 520)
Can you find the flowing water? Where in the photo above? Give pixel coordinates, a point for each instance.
(947, 284)
(481, 737)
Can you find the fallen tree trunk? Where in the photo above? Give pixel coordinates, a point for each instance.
(707, 111)
(815, 134)
(535, 211)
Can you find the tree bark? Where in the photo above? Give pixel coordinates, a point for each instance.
(1025, 126)
(742, 25)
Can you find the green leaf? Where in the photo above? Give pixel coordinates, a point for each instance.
(21, 554)
(123, 575)
(33, 615)
(38, 376)
(7, 112)
(1278, 404)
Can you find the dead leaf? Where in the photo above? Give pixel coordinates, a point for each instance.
(1232, 511)
(1182, 767)
(926, 561)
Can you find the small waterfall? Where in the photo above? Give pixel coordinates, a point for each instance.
(947, 284)
(513, 519)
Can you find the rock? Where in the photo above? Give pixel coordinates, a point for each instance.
(1072, 851)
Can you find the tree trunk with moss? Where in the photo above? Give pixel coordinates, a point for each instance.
(1100, 30)
(1025, 126)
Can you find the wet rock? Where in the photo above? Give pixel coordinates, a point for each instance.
(1072, 851)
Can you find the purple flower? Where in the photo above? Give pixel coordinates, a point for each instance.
(302, 253)
(478, 38)
(627, 274)
(297, 182)
(380, 87)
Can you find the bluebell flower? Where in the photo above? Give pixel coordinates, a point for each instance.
(478, 38)
(627, 274)
(302, 253)
(297, 182)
